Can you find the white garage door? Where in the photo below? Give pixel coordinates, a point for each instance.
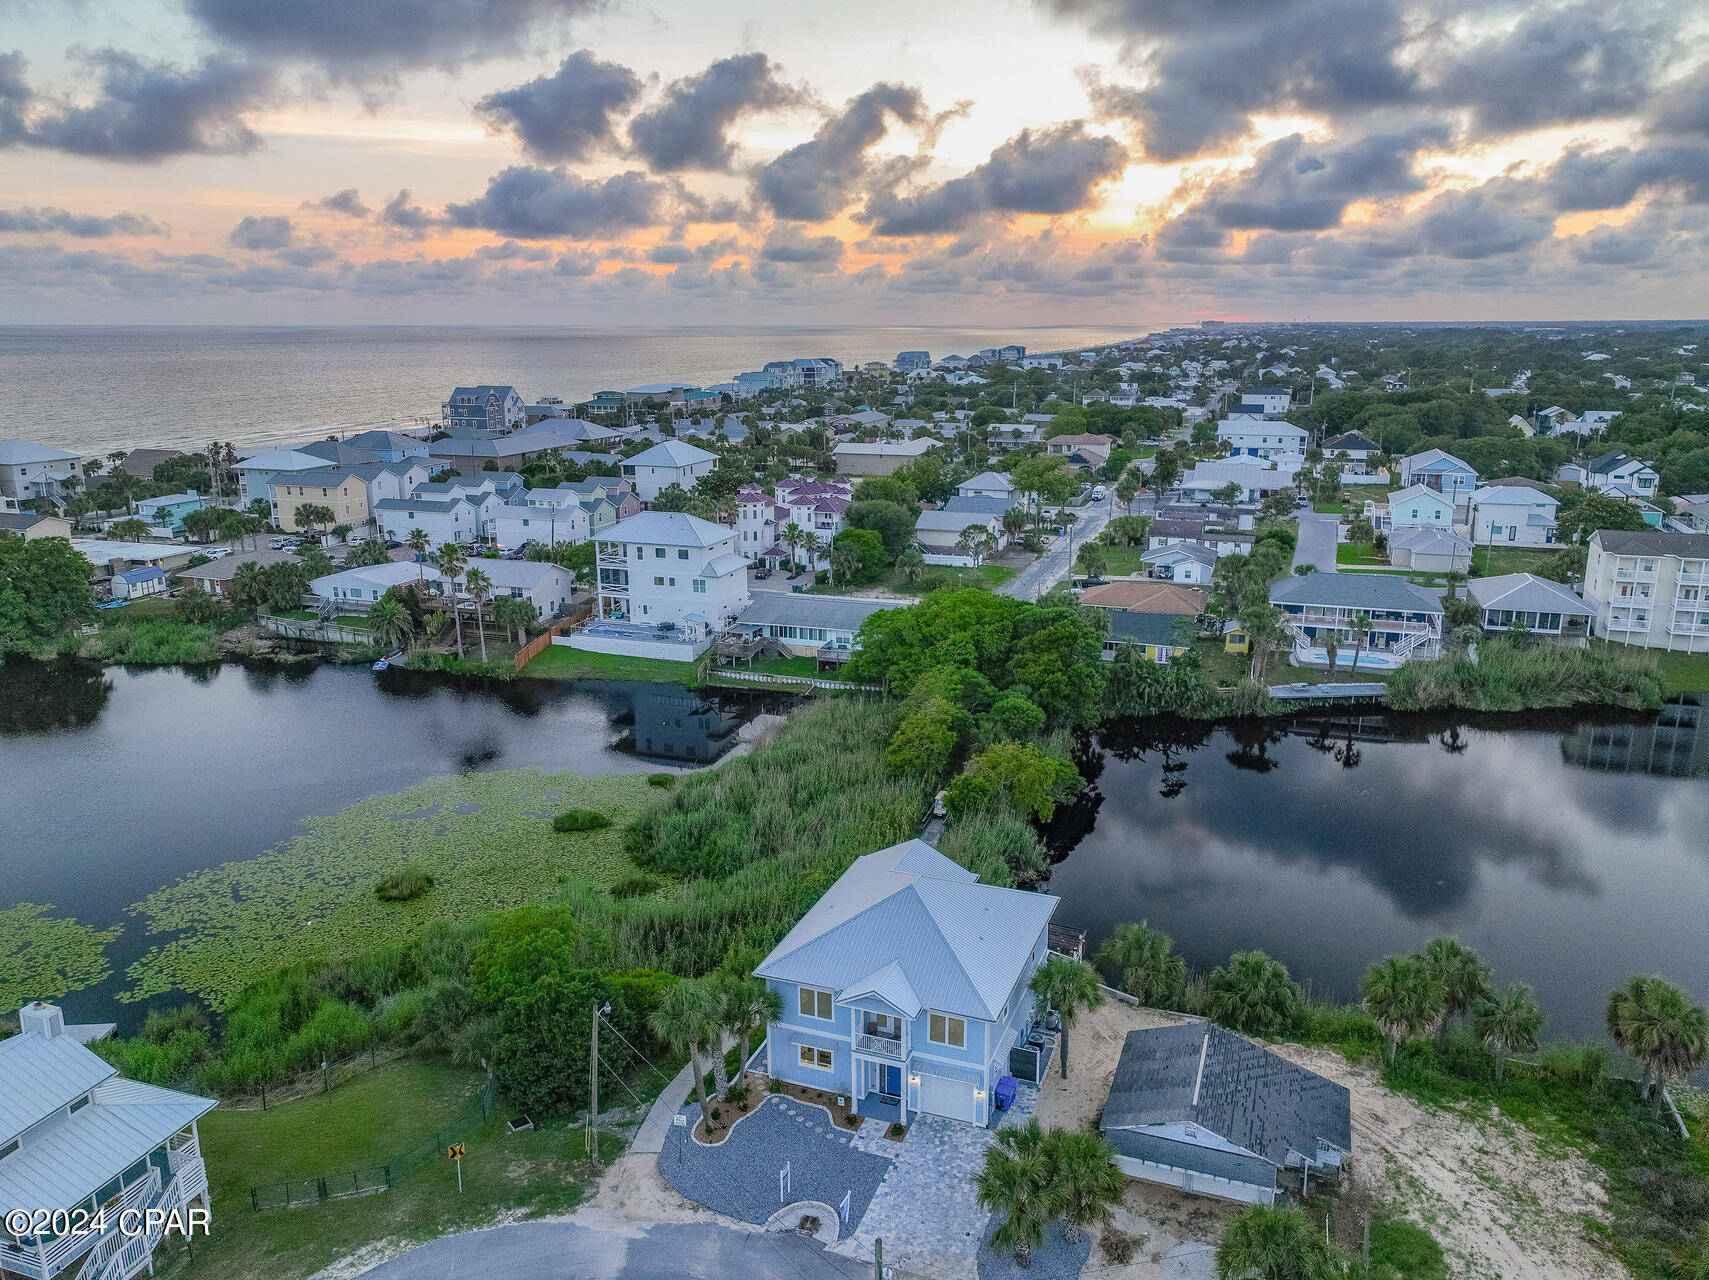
(943, 1097)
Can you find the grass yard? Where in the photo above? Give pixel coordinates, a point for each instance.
(1122, 561)
(1359, 494)
(1329, 509)
(1417, 579)
(800, 666)
(1358, 553)
(1223, 667)
(369, 1120)
(561, 662)
(1490, 562)
(1680, 672)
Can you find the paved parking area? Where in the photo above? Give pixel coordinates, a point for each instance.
(739, 1176)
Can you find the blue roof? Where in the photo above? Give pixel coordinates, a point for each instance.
(148, 573)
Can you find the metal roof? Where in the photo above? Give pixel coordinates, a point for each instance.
(981, 506)
(148, 573)
(669, 529)
(1428, 539)
(989, 480)
(39, 1075)
(834, 613)
(1511, 495)
(1371, 591)
(947, 521)
(13, 452)
(1527, 593)
(1199, 1073)
(890, 984)
(962, 945)
(672, 453)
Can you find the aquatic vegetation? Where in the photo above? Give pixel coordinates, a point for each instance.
(314, 896)
(43, 957)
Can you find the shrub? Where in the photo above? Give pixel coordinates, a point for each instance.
(580, 820)
(404, 886)
(774, 1085)
(638, 885)
(162, 1024)
(1575, 1063)
(1117, 1246)
(664, 781)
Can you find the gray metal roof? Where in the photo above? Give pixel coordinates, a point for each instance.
(1370, 591)
(1527, 593)
(1630, 543)
(671, 453)
(1187, 1155)
(961, 945)
(949, 521)
(40, 1074)
(834, 613)
(1202, 1074)
(1428, 539)
(668, 529)
(981, 506)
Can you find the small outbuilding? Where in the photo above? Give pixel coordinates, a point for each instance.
(1208, 1111)
(146, 581)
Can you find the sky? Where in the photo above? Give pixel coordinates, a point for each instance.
(666, 162)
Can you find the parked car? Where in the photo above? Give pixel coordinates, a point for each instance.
(216, 553)
(762, 572)
(1100, 493)
(392, 544)
(938, 809)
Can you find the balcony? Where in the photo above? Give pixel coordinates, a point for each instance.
(1344, 622)
(1692, 579)
(1688, 628)
(1628, 624)
(883, 1046)
(1634, 575)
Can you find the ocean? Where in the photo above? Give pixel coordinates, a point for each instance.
(100, 389)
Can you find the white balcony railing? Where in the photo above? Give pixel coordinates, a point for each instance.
(1692, 579)
(1616, 623)
(1634, 575)
(1346, 621)
(884, 1046)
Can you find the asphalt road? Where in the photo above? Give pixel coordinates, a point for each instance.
(567, 1251)
(1042, 574)
(1316, 545)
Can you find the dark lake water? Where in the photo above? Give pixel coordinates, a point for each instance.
(114, 783)
(1571, 853)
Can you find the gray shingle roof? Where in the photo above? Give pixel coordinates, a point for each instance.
(1629, 543)
(1143, 628)
(1201, 1074)
(1372, 591)
(1527, 593)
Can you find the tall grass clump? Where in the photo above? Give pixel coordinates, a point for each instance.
(1512, 675)
(162, 643)
(998, 845)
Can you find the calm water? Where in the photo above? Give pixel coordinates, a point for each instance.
(1570, 854)
(96, 389)
(114, 783)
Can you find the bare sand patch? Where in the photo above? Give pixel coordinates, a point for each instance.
(1094, 1046)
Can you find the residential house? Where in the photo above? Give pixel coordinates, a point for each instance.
(1251, 480)
(939, 534)
(565, 522)
(671, 568)
(1166, 531)
(1041, 362)
(1418, 505)
(134, 583)
(1083, 450)
(488, 408)
(809, 626)
(1352, 451)
(869, 419)
(29, 470)
(388, 446)
(1011, 353)
(983, 506)
(142, 462)
(1427, 548)
(1543, 608)
(1156, 637)
(671, 462)
(1650, 589)
(342, 490)
(1443, 472)
(1249, 435)
(1513, 515)
(1186, 562)
(1200, 1108)
(1621, 475)
(215, 576)
(879, 458)
(77, 1139)
(110, 556)
(1266, 400)
(905, 987)
(1405, 621)
(545, 585)
(989, 484)
(1137, 595)
(29, 525)
(259, 471)
(455, 518)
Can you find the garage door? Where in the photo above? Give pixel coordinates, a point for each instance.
(942, 1097)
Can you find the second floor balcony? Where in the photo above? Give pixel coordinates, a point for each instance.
(885, 1045)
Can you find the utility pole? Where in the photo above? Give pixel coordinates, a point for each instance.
(593, 1091)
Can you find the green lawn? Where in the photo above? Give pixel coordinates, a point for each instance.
(368, 1120)
(1223, 667)
(1490, 562)
(1681, 672)
(1330, 509)
(561, 662)
(1122, 561)
(791, 667)
(1358, 553)
(1359, 494)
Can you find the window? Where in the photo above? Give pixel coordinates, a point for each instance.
(658, 553)
(77, 1105)
(658, 581)
(682, 555)
(814, 1003)
(943, 1029)
(9, 1148)
(818, 1058)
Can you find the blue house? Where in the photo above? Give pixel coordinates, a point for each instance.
(484, 408)
(905, 986)
(1441, 471)
(168, 512)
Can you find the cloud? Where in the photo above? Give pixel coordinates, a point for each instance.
(568, 115)
(1684, 109)
(1585, 180)
(690, 128)
(545, 204)
(670, 254)
(86, 226)
(259, 232)
(816, 180)
(1474, 224)
(511, 251)
(1294, 185)
(308, 255)
(142, 111)
(1050, 171)
(365, 40)
(400, 213)
(346, 202)
(788, 245)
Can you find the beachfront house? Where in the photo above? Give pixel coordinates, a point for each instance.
(905, 986)
(75, 1137)
(487, 408)
(1512, 515)
(1537, 605)
(1650, 589)
(1200, 1108)
(669, 462)
(1404, 621)
(29, 470)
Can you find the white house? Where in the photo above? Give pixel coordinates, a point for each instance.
(1405, 621)
(878, 458)
(667, 463)
(905, 987)
(29, 470)
(1417, 505)
(545, 585)
(1429, 548)
(1252, 479)
(1513, 515)
(552, 523)
(939, 534)
(1267, 399)
(1542, 607)
(1186, 562)
(987, 484)
(1248, 435)
(76, 1138)
(666, 569)
(459, 520)
(1621, 471)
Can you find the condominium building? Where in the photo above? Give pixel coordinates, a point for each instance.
(1650, 589)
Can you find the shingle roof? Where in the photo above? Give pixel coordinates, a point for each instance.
(834, 613)
(1143, 628)
(1629, 543)
(1135, 596)
(1350, 442)
(1436, 460)
(1376, 591)
(981, 506)
(1199, 1073)
(961, 945)
(952, 521)
(1527, 592)
(668, 528)
(1177, 551)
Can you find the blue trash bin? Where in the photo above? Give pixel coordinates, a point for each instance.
(1006, 1092)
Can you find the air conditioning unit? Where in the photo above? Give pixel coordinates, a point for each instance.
(1026, 1062)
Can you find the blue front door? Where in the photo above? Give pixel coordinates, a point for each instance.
(890, 1081)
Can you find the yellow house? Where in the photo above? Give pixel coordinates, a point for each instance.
(341, 490)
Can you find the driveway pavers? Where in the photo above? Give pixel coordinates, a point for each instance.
(925, 1211)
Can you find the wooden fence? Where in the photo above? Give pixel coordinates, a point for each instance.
(578, 614)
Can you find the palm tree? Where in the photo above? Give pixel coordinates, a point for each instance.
(1015, 521)
(1145, 957)
(1263, 626)
(1092, 560)
(1465, 979)
(246, 587)
(1508, 1022)
(1265, 1242)
(750, 1005)
(1657, 1024)
(1254, 993)
(1330, 651)
(1360, 626)
(480, 587)
(687, 1020)
(1082, 1178)
(513, 613)
(1014, 1185)
(845, 559)
(911, 563)
(449, 561)
(418, 542)
(311, 515)
(792, 537)
(391, 624)
(1404, 996)
(1069, 987)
